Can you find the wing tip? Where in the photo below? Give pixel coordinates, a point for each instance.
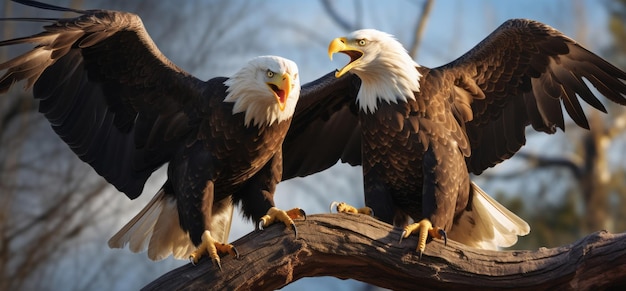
(47, 6)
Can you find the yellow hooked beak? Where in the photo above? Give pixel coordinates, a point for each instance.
(280, 85)
(340, 45)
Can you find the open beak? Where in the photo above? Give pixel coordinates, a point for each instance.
(340, 45)
(280, 85)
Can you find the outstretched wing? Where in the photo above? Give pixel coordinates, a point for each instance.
(325, 127)
(107, 91)
(520, 75)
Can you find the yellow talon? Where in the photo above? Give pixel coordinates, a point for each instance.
(274, 215)
(227, 249)
(425, 228)
(269, 217)
(213, 249)
(343, 207)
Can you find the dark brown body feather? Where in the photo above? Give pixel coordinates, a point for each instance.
(414, 152)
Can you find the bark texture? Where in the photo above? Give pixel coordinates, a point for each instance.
(362, 248)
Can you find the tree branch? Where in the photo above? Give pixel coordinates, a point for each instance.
(337, 18)
(365, 249)
(420, 27)
(536, 161)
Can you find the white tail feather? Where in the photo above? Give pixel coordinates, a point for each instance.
(156, 227)
(167, 236)
(221, 219)
(123, 236)
(488, 225)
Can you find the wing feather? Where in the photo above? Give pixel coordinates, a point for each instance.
(530, 67)
(325, 127)
(107, 91)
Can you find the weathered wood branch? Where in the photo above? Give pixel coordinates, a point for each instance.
(365, 249)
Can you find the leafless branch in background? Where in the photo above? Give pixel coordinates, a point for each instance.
(339, 18)
(420, 27)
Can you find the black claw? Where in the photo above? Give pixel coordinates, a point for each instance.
(334, 203)
(191, 260)
(295, 230)
(219, 265)
(445, 236)
(420, 254)
(303, 214)
(402, 236)
(259, 225)
(236, 252)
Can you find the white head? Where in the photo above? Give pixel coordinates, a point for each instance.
(386, 70)
(266, 90)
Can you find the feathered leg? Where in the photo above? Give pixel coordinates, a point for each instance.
(441, 193)
(259, 197)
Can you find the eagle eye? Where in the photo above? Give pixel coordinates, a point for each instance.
(269, 74)
(362, 42)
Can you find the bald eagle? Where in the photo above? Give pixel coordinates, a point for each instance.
(418, 132)
(126, 110)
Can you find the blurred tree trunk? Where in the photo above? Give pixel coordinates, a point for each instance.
(595, 177)
(420, 27)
